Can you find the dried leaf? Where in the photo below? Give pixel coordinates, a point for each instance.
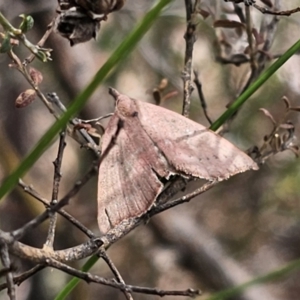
(163, 84)
(25, 98)
(203, 13)
(286, 102)
(268, 114)
(287, 126)
(258, 37)
(228, 24)
(143, 146)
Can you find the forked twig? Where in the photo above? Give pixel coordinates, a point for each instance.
(56, 181)
(28, 189)
(17, 234)
(24, 276)
(190, 39)
(265, 10)
(102, 253)
(11, 291)
(53, 98)
(88, 277)
(201, 97)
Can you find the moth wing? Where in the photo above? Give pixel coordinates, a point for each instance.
(127, 184)
(191, 148)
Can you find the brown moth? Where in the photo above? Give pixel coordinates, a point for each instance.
(144, 144)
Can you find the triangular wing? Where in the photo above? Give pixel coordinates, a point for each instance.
(191, 148)
(128, 181)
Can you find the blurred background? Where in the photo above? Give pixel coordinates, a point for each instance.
(241, 229)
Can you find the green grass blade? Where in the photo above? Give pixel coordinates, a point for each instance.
(255, 86)
(119, 54)
(275, 275)
(73, 282)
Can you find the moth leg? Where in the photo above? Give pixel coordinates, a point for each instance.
(108, 218)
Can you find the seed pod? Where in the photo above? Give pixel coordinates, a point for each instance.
(25, 98)
(66, 4)
(76, 26)
(100, 7)
(36, 76)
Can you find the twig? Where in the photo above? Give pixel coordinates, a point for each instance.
(239, 12)
(23, 70)
(42, 53)
(250, 39)
(102, 253)
(53, 98)
(91, 246)
(96, 119)
(41, 42)
(276, 13)
(201, 97)
(20, 278)
(17, 234)
(56, 181)
(269, 29)
(6, 264)
(88, 277)
(177, 184)
(4, 271)
(28, 189)
(190, 39)
(158, 209)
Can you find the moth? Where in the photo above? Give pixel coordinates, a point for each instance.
(143, 146)
(79, 20)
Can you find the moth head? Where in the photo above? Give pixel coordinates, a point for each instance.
(125, 106)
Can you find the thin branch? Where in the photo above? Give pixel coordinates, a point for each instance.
(24, 276)
(53, 98)
(201, 97)
(11, 291)
(23, 70)
(41, 43)
(96, 119)
(265, 10)
(190, 39)
(28, 189)
(205, 187)
(56, 182)
(250, 39)
(88, 248)
(102, 253)
(64, 201)
(88, 277)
